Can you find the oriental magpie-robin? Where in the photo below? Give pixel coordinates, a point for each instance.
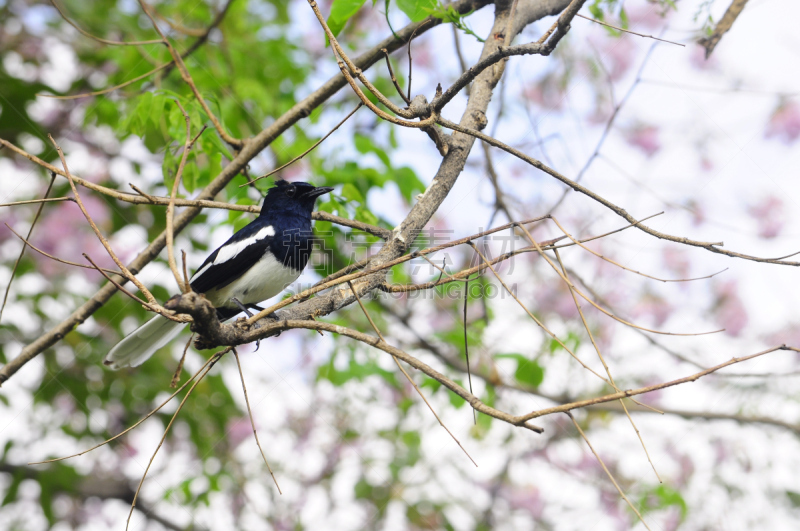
(256, 263)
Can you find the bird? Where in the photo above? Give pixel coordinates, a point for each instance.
(255, 264)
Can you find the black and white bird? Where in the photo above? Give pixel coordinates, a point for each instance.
(256, 263)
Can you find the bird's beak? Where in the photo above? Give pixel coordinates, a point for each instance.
(316, 192)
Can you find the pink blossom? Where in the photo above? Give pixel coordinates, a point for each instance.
(676, 261)
(646, 16)
(697, 59)
(238, 430)
(653, 306)
(524, 498)
(64, 232)
(784, 123)
(548, 92)
(769, 215)
(617, 55)
(728, 307)
(789, 335)
(698, 212)
(644, 137)
(555, 297)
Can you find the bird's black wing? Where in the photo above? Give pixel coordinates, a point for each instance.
(234, 257)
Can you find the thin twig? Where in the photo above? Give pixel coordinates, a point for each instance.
(152, 307)
(187, 78)
(187, 147)
(25, 244)
(211, 363)
(408, 376)
(98, 39)
(629, 31)
(106, 90)
(142, 198)
(125, 272)
(390, 263)
(306, 152)
(394, 78)
(187, 285)
(713, 247)
(176, 377)
(34, 201)
(466, 347)
(600, 308)
(120, 434)
(57, 259)
(253, 422)
(142, 193)
(649, 389)
(605, 365)
(610, 476)
(610, 261)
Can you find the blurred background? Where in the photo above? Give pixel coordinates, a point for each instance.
(709, 144)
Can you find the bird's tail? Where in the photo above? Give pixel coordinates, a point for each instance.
(138, 346)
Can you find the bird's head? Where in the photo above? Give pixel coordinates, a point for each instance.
(297, 197)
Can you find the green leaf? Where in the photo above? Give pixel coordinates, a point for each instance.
(364, 144)
(623, 18)
(596, 12)
(528, 372)
(794, 498)
(408, 182)
(662, 497)
(416, 10)
(341, 11)
(351, 193)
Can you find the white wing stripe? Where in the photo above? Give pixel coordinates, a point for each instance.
(230, 251)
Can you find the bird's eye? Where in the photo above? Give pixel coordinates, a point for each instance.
(290, 191)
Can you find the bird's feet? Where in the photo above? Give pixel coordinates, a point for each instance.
(248, 313)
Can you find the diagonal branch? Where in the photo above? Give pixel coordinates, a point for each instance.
(250, 150)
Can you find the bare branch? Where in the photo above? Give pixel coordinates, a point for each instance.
(25, 243)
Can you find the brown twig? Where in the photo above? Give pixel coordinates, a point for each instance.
(98, 39)
(600, 308)
(348, 69)
(610, 476)
(25, 243)
(394, 78)
(610, 261)
(306, 152)
(713, 247)
(34, 201)
(466, 346)
(125, 271)
(142, 193)
(143, 198)
(187, 78)
(211, 363)
(605, 365)
(253, 422)
(649, 389)
(109, 89)
(376, 342)
(408, 376)
(57, 259)
(176, 377)
(628, 31)
(391, 263)
(187, 285)
(187, 147)
(120, 434)
(152, 307)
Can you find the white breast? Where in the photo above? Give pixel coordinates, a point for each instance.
(265, 279)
